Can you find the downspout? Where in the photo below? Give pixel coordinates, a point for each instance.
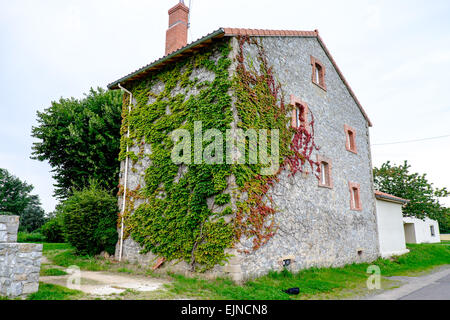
(125, 177)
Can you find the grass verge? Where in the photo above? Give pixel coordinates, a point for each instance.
(54, 292)
(315, 283)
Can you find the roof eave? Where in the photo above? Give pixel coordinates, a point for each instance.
(115, 85)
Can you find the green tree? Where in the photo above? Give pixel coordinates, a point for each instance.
(423, 196)
(15, 199)
(80, 139)
(33, 217)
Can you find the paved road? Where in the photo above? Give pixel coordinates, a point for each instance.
(435, 286)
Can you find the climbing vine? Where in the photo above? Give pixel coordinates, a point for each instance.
(186, 212)
(177, 220)
(260, 104)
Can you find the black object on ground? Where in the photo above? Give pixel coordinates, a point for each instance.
(292, 291)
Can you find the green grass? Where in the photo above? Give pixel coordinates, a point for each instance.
(125, 270)
(54, 292)
(52, 272)
(323, 283)
(62, 254)
(25, 237)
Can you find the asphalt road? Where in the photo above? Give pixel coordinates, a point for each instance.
(438, 290)
(435, 286)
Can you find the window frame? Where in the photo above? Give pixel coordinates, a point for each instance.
(350, 136)
(328, 174)
(322, 72)
(353, 186)
(433, 232)
(295, 102)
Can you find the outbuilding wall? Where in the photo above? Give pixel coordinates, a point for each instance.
(390, 228)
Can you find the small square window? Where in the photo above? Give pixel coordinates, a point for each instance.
(432, 231)
(350, 143)
(355, 197)
(299, 113)
(325, 178)
(318, 73)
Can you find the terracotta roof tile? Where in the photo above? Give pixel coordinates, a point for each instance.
(383, 195)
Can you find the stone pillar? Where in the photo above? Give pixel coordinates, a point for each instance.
(9, 225)
(20, 263)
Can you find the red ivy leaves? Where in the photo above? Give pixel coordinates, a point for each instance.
(255, 219)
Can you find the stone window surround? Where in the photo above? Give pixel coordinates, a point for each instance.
(321, 81)
(329, 166)
(350, 135)
(295, 102)
(353, 186)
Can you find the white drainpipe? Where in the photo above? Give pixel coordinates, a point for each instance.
(125, 177)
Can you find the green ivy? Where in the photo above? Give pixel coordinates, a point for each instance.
(175, 221)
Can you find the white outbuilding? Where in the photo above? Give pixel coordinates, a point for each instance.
(421, 231)
(391, 233)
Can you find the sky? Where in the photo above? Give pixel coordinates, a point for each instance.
(395, 55)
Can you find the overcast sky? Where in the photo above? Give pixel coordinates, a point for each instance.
(394, 53)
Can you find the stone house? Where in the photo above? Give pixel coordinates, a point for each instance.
(322, 214)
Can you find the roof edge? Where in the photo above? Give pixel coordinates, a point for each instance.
(389, 197)
(247, 32)
(115, 84)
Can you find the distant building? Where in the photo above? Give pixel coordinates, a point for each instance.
(421, 231)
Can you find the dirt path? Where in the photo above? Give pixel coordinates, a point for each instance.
(102, 283)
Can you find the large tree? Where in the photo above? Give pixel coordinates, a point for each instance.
(16, 199)
(81, 140)
(424, 197)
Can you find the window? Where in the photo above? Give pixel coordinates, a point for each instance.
(318, 73)
(300, 113)
(350, 134)
(325, 178)
(355, 198)
(432, 231)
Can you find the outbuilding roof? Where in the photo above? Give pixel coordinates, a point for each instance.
(230, 32)
(389, 197)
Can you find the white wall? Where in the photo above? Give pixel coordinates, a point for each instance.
(422, 232)
(390, 228)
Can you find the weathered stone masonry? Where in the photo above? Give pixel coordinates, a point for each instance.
(316, 226)
(20, 263)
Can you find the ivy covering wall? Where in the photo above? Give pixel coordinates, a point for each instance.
(187, 213)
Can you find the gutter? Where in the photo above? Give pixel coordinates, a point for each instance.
(125, 177)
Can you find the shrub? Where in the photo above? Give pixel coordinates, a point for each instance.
(90, 218)
(53, 231)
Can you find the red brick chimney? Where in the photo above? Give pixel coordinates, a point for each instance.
(177, 34)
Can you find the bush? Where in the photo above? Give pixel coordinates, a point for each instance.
(25, 237)
(53, 231)
(90, 219)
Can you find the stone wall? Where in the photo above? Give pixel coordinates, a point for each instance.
(316, 225)
(20, 263)
(317, 228)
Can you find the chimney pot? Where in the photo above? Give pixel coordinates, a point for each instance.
(176, 35)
